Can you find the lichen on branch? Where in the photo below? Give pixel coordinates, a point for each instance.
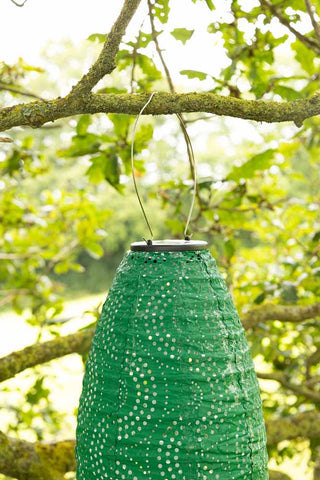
(36, 114)
(40, 353)
(283, 313)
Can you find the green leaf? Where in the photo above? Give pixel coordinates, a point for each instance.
(62, 267)
(143, 135)
(209, 3)
(289, 293)
(161, 10)
(145, 39)
(94, 249)
(175, 226)
(37, 392)
(261, 161)
(90, 143)
(112, 90)
(27, 142)
(194, 74)
(101, 37)
(105, 167)
(120, 123)
(260, 298)
(182, 34)
(305, 56)
(83, 124)
(287, 93)
(148, 67)
(112, 170)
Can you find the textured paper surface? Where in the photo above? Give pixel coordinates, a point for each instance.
(170, 391)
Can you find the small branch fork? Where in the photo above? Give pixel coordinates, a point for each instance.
(35, 114)
(315, 24)
(81, 99)
(307, 41)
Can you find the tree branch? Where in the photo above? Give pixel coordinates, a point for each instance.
(275, 475)
(106, 61)
(44, 352)
(314, 22)
(313, 359)
(300, 425)
(294, 314)
(307, 41)
(36, 461)
(35, 114)
(300, 390)
(8, 88)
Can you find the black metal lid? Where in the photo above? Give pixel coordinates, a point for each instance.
(169, 246)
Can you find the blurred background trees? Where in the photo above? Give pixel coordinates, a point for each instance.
(68, 213)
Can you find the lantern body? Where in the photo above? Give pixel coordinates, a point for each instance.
(170, 390)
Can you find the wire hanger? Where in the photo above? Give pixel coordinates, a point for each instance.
(192, 162)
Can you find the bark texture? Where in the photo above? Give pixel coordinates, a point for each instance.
(36, 114)
(294, 314)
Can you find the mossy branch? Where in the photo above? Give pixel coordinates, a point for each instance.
(36, 461)
(275, 475)
(80, 100)
(44, 352)
(36, 114)
(106, 61)
(299, 390)
(293, 314)
(301, 425)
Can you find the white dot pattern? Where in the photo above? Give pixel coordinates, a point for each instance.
(170, 391)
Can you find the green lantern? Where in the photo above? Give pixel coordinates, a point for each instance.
(170, 391)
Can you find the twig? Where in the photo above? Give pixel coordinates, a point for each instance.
(62, 253)
(301, 390)
(172, 90)
(35, 114)
(105, 63)
(308, 42)
(294, 314)
(304, 425)
(314, 22)
(20, 92)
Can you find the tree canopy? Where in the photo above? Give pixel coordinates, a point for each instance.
(67, 201)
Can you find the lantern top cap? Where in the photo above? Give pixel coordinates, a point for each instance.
(169, 246)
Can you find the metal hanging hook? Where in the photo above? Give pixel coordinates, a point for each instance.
(192, 163)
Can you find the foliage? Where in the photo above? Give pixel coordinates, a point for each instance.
(65, 200)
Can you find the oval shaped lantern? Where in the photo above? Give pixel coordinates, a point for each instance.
(170, 391)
